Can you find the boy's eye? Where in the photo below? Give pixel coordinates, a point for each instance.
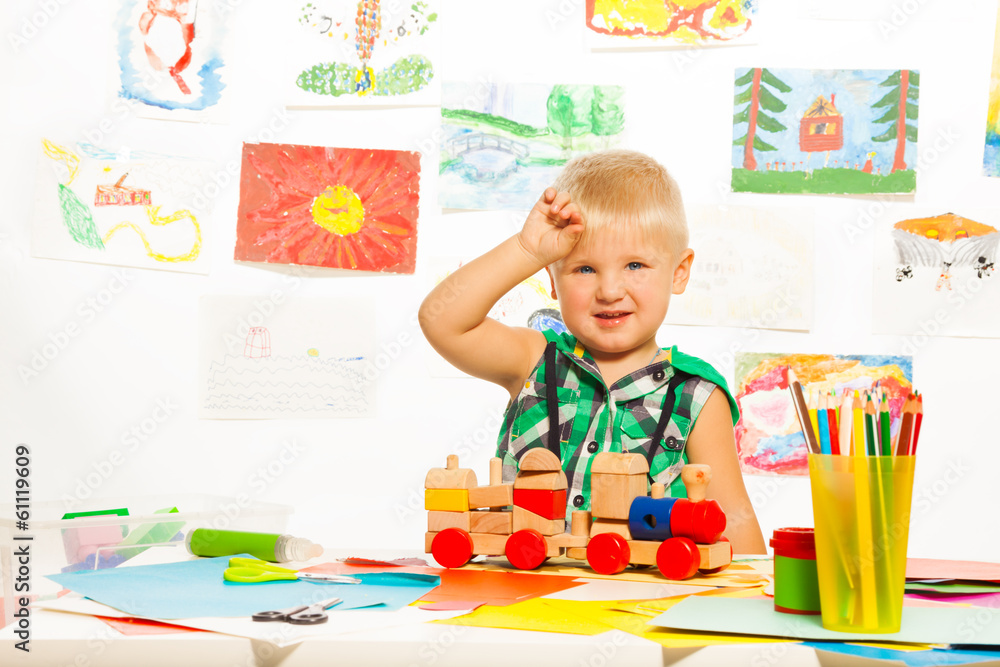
(634, 266)
(586, 269)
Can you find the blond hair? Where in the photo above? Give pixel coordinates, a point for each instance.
(618, 190)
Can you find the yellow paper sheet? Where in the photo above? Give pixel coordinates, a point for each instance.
(535, 614)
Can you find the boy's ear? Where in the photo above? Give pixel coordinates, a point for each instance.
(552, 281)
(683, 271)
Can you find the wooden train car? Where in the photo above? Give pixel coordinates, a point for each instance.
(526, 521)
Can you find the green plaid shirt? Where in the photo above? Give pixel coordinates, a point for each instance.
(590, 423)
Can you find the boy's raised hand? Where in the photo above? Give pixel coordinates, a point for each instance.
(552, 228)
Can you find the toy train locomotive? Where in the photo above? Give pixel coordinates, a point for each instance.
(681, 536)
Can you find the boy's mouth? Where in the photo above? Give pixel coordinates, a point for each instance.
(612, 317)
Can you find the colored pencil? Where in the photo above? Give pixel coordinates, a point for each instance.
(859, 425)
(885, 424)
(844, 425)
(831, 414)
(917, 420)
(802, 411)
(905, 428)
(870, 442)
(824, 424)
(813, 419)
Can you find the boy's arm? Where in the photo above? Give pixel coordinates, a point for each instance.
(711, 442)
(454, 315)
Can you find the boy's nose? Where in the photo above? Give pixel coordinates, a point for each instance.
(611, 288)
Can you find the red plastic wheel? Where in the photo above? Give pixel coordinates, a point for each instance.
(452, 547)
(678, 558)
(721, 567)
(525, 549)
(608, 553)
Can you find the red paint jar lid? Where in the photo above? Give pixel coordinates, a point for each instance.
(794, 543)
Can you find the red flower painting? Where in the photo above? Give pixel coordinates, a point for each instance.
(343, 208)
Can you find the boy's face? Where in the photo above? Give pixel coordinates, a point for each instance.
(614, 292)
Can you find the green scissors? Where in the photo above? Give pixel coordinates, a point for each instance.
(253, 571)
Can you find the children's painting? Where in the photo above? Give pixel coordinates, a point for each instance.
(503, 144)
(361, 52)
(769, 439)
(935, 274)
(131, 209)
(753, 267)
(615, 24)
(298, 358)
(170, 58)
(825, 131)
(343, 208)
(991, 156)
(529, 304)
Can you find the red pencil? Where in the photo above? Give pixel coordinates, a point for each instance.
(917, 420)
(831, 414)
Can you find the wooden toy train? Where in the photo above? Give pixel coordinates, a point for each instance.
(681, 536)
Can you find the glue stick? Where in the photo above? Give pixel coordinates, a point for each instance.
(265, 546)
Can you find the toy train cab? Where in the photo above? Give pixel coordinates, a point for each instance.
(525, 521)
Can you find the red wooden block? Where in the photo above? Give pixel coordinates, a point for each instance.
(548, 504)
(703, 521)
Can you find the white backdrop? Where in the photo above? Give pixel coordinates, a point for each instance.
(358, 483)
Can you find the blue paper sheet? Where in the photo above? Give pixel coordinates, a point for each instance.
(928, 658)
(195, 588)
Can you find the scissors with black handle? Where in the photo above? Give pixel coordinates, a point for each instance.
(300, 615)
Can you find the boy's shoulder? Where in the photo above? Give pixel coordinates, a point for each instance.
(696, 366)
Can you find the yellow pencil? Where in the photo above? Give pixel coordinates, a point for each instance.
(844, 424)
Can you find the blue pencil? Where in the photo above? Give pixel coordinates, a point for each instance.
(824, 424)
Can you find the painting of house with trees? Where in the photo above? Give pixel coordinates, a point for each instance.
(825, 131)
(503, 144)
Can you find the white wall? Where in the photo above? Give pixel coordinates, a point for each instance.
(354, 481)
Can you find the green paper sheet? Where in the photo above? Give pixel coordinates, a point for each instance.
(921, 625)
(953, 588)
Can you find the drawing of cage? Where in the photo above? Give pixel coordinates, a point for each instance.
(258, 344)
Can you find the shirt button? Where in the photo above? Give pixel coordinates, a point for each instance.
(592, 447)
(671, 442)
(578, 501)
(659, 375)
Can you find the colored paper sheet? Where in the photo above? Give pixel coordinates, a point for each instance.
(925, 658)
(196, 588)
(958, 588)
(535, 614)
(604, 589)
(991, 600)
(277, 634)
(469, 585)
(458, 605)
(932, 568)
(636, 622)
(136, 627)
(959, 625)
(396, 562)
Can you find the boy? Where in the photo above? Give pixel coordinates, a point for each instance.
(612, 235)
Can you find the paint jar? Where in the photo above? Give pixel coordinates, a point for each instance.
(796, 584)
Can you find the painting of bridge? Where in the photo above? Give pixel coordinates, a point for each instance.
(503, 144)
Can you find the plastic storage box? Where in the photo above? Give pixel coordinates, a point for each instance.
(92, 542)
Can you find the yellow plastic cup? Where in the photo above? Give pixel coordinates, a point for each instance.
(861, 509)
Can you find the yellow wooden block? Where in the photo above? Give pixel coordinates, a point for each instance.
(448, 500)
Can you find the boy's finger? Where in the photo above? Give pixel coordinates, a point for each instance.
(561, 201)
(549, 195)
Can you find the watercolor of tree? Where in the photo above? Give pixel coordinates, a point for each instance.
(905, 86)
(607, 114)
(568, 112)
(758, 98)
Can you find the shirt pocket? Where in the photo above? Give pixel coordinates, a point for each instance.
(638, 426)
(531, 421)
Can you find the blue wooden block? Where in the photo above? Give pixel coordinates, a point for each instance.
(649, 518)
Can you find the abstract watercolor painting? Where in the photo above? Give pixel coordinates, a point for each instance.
(143, 210)
(753, 267)
(769, 438)
(991, 155)
(298, 358)
(935, 274)
(646, 23)
(343, 208)
(503, 144)
(367, 52)
(528, 304)
(825, 131)
(170, 58)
